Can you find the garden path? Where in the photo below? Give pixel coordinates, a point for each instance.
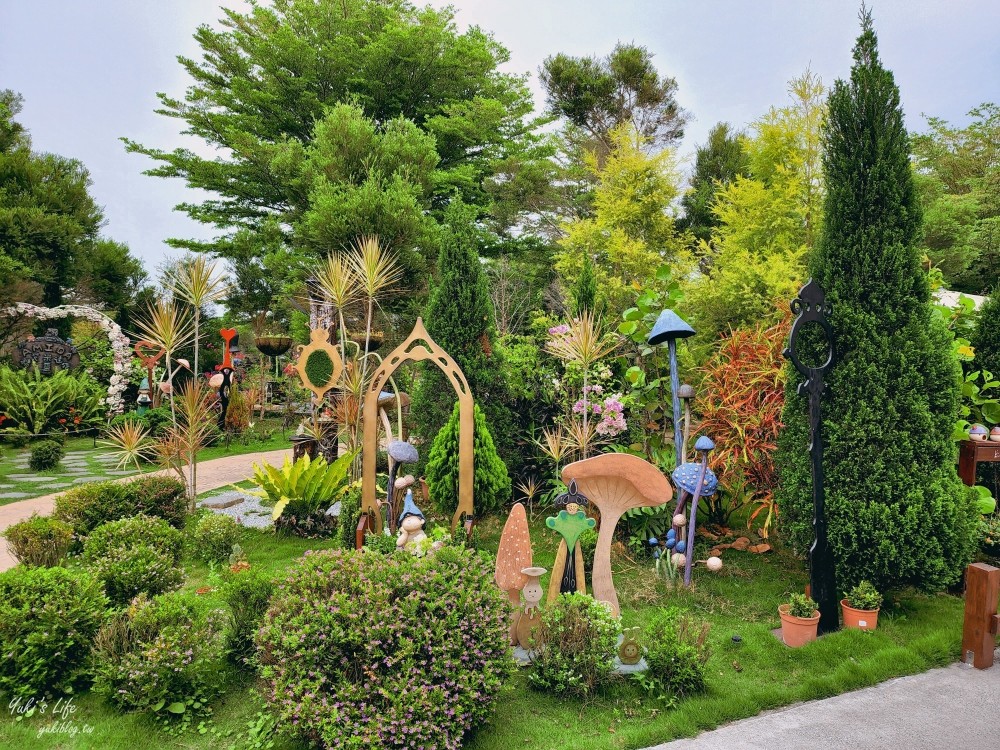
(213, 474)
(955, 706)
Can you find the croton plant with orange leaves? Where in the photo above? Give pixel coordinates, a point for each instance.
(742, 395)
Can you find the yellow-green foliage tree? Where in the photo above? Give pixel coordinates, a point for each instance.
(768, 221)
(631, 232)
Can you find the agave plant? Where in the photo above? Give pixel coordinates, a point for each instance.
(304, 487)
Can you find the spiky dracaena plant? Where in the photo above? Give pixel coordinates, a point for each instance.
(896, 510)
(194, 280)
(130, 441)
(178, 448)
(168, 327)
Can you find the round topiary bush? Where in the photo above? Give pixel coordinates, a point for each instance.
(134, 556)
(141, 530)
(40, 541)
(88, 506)
(215, 536)
(48, 618)
(578, 641)
(45, 454)
(365, 650)
(164, 655)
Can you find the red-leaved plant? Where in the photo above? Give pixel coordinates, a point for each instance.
(743, 393)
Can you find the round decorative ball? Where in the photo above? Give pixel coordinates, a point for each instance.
(995, 434)
(680, 519)
(653, 541)
(681, 546)
(671, 542)
(978, 432)
(678, 559)
(714, 564)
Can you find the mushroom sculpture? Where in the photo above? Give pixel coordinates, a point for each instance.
(513, 557)
(694, 481)
(615, 483)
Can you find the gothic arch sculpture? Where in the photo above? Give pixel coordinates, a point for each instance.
(411, 350)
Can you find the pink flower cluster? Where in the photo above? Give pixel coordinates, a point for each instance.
(611, 411)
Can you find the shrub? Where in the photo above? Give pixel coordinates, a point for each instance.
(985, 338)
(215, 536)
(248, 593)
(896, 510)
(491, 486)
(800, 605)
(578, 642)
(48, 617)
(36, 403)
(40, 541)
(396, 651)
(864, 596)
(676, 652)
(166, 654)
(991, 535)
(45, 454)
(350, 514)
(128, 571)
(743, 394)
(141, 530)
(88, 506)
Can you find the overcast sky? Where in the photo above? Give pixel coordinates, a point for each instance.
(89, 71)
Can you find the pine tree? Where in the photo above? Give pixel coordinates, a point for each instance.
(897, 512)
(585, 290)
(459, 317)
(716, 163)
(986, 337)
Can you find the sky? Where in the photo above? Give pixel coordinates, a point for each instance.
(89, 72)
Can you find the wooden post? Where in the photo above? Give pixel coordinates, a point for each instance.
(364, 525)
(982, 588)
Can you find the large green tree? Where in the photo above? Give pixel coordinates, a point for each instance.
(51, 249)
(897, 512)
(716, 163)
(958, 176)
(333, 117)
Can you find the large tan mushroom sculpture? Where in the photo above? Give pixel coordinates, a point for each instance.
(615, 483)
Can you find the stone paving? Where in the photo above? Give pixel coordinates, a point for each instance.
(249, 511)
(76, 467)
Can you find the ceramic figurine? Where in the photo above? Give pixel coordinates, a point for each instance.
(411, 524)
(695, 481)
(570, 523)
(630, 652)
(995, 434)
(977, 432)
(531, 619)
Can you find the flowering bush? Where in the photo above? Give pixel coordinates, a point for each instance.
(48, 617)
(395, 651)
(40, 541)
(165, 654)
(215, 536)
(578, 640)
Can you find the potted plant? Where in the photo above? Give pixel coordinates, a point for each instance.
(799, 620)
(861, 607)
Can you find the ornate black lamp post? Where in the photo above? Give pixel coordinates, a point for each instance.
(669, 327)
(811, 307)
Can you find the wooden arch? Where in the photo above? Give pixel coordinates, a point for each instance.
(412, 351)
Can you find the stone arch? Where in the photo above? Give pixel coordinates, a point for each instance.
(413, 351)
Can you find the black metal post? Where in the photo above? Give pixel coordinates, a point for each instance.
(811, 307)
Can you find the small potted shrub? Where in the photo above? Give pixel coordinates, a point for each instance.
(861, 607)
(799, 620)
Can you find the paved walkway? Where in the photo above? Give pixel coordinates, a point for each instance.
(952, 707)
(212, 474)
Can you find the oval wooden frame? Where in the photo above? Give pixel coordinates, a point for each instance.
(412, 351)
(319, 340)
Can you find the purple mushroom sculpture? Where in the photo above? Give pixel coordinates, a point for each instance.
(694, 481)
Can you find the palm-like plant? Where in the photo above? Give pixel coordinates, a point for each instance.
(194, 281)
(178, 450)
(378, 273)
(340, 285)
(131, 442)
(168, 327)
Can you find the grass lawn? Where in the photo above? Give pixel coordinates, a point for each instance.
(42, 481)
(915, 632)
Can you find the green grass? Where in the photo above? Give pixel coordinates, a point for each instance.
(40, 486)
(915, 633)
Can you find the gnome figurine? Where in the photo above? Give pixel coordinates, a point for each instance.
(411, 523)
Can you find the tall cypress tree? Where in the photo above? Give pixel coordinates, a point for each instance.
(897, 512)
(459, 317)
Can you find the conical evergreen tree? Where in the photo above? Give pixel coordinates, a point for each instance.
(459, 317)
(897, 512)
(986, 337)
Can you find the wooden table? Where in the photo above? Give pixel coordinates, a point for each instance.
(972, 452)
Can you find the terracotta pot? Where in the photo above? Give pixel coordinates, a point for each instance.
(797, 631)
(859, 619)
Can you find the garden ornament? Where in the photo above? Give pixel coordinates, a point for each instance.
(226, 370)
(149, 354)
(811, 307)
(400, 452)
(630, 652)
(531, 618)
(669, 327)
(48, 353)
(568, 572)
(694, 481)
(615, 483)
(513, 557)
(978, 432)
(995, 434)
(411, 523)
(686, 392)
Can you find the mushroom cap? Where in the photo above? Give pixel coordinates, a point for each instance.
(534, 571)
(685, 391)
(403, 482)
(514, 551)
(685, 476)
(402, 452)
(977, 429)
(704, 443)
(668, 326)
(619, 480)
